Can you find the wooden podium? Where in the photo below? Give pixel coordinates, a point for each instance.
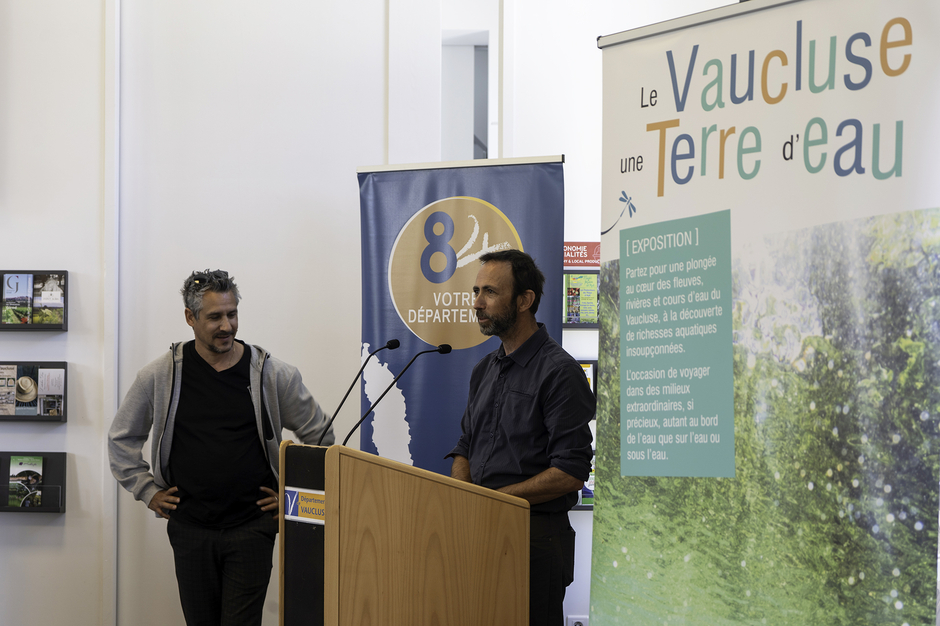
(370, 541)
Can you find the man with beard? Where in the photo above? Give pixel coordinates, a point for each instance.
(525, 429)
(214, 408)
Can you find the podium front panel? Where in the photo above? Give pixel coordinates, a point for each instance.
(302, 582)
(395, 544)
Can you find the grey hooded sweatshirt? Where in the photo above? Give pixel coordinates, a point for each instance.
(279, 396)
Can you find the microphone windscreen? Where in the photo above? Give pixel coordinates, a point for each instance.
(444, 348)
(391, 344)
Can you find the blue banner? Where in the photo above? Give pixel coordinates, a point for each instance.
(423, 231)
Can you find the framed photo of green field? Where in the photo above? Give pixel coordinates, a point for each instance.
(33, 300)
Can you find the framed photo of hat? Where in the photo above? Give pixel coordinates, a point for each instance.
(33, 391)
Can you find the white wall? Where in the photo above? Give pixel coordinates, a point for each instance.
(241, 125)
(473, 17)
(457, 100)
(55, 172)
(552, 105)
(556, 88)
(414, 82)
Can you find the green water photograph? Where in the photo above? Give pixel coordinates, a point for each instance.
(831, 515)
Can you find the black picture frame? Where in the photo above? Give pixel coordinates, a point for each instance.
(587, 495)
(48, 407)
(586, 498)
(52, 487)
(583, 301)
(592, 374)
(62, 283)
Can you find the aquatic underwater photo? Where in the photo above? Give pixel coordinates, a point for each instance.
(831, 518)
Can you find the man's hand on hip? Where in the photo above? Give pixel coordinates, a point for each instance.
(270, 503)
(164, 501)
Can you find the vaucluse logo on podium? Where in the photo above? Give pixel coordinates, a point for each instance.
(433, 266)
(305, 505)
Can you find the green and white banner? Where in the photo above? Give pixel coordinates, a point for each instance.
(769, 359)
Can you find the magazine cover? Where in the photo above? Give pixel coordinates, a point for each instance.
(7, 390)
(48, 298)
(17, 298)
(25, 481)
(581, 299)
(573, 306)
(51, 391)
(26, 392)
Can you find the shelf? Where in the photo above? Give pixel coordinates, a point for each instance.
(33, 391)
(23, 296)
(51, 489)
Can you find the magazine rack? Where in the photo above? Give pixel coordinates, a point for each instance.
(29, 302)
(52, 487)
(46, 391)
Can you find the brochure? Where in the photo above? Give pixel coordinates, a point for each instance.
(26, 391)
(51, 391)
(48, 298)
(25, 481)
(7, 390)
(17, 299)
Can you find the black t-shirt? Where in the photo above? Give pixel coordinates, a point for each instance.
(217, 459)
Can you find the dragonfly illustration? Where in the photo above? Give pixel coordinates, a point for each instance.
(625, 198)
(628, 204)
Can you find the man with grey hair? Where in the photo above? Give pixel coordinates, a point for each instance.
(214, 408)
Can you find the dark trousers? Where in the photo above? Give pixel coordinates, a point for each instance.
(551, 567)
(223, 574)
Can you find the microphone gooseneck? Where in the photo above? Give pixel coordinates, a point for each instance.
(441, 349)
(391, 344)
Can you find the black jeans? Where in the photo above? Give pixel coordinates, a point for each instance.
(551, 567)
(223, 574)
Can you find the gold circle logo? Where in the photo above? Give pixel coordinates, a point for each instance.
(433, 267)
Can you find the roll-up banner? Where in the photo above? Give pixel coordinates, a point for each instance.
(769, 358)
(423, 231)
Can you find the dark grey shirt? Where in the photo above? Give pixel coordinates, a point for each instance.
(527, 412)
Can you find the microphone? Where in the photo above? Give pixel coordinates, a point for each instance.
(391, 344)
(442, 349)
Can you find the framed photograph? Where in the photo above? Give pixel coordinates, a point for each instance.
(33, 300)
(590, 371)
(37, 481)
(33, 391)
(586, 497)
(25, 481)
(580, 292)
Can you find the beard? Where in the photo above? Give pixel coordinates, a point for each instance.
(499, 324)
(217, 350)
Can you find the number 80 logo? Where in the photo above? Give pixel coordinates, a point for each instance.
(432, 267)
(439, 243)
